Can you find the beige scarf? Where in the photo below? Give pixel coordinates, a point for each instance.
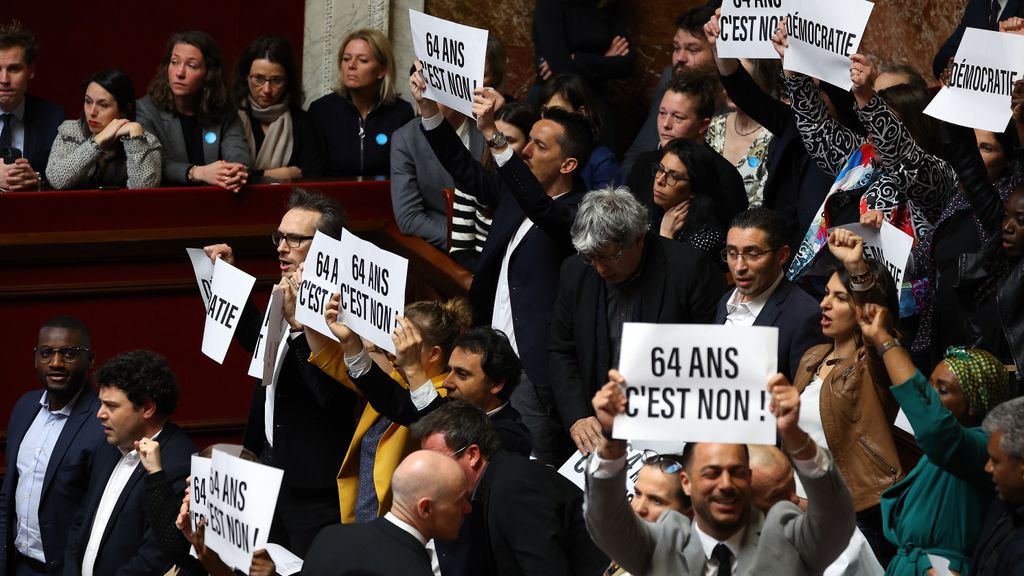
(278, 140)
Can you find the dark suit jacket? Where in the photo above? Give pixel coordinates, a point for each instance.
(533, 268)
(65, 482)
(1000, 550)
(527, 520)
(375, 548)
(975, 16)
(42, 118)
(680, 284)
(129, 545)
(795, 314)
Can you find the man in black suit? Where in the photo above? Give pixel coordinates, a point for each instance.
(1000, 549)
(624, 273)
(51, 439)
(756, 253)
(28, 124)
(527, 519)
(302, 423)
(431, 498)
(113, 533)
(534, 199)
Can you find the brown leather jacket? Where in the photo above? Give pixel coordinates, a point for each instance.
(857, 413)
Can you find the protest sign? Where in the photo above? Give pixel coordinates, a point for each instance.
(285, 563)
(203, 268)
(822, 36)
(271, 338)
(981, 80)
(199, 499)
(888, 246)
(241, 496)
(747, 27)
(697, 383)
(575, 467)
(229, 291)
(453, 59)
(320, 277)
(372, 289)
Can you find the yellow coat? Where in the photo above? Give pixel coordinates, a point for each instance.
(395, 444)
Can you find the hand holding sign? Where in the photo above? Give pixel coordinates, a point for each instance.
(418, 87)
(409, 351)
(862, 74)
(452, 57)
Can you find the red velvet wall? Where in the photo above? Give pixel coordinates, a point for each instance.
(78, 38)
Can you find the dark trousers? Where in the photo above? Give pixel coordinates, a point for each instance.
(551, 443)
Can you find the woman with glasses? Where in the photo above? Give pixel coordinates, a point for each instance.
(681, 202)
(105, 147)
(268, 90)
(845, 400)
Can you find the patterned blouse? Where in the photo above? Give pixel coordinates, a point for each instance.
(753, 167)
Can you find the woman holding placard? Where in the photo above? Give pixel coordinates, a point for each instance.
(355, 122)
(844, 390)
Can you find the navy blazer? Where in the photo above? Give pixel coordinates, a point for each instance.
(129, 546)
(65, 482)
(377, 548)
(795, 314)
(42, 118)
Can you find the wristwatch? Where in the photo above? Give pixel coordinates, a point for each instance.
(497, 141)
(889, 345)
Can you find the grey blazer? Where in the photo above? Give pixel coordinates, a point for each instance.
(229, 144)
(417, 179)
(787, 541)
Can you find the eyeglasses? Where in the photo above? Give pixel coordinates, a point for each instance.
(667, 463)
(293, 240)
(671, 178)
(259, 80)
(752, 255)
(68, 353)
(590, 260)
(459, 451)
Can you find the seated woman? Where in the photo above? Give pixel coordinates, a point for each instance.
(939, 508)
(105, 147)
(354, 123)
(378, 444)
(189, 110)
(844, 390)
(280, 135)
(681, 203)
(572, 94)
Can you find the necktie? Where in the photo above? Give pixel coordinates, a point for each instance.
(6, 131)
(993, 17)
(724, 557)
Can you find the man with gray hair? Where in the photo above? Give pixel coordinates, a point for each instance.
(623, 273)
(1000, 549)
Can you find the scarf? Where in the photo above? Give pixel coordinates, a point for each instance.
(279, 140)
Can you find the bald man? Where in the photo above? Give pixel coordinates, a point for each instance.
(430, 499)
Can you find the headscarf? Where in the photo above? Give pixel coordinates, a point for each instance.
(981, 375)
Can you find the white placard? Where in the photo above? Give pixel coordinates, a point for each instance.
(981, 80)
(230, 290)
(822, 36)
(321, 274)
(575, 467)
(199, 495)
(888, 246)
(242, 498)
(747, 27)
(285, 563)
(697, 383)
(372, 289)
(452, 57)
(263, 365)
(203, 268)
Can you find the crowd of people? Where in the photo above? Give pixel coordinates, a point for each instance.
(442, 458)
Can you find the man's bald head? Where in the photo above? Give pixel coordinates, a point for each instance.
(430, 492)
(772, 479)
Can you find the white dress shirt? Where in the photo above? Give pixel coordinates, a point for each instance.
(111, 493)
(708, 543)
(741, 313)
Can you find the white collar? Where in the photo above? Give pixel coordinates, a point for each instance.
(708, 542)
(496, 410)
(755, 304)
(409, 528)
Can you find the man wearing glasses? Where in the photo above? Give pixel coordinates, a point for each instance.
(756, 253)
(302, 423)
(624, 273)
(51, 440)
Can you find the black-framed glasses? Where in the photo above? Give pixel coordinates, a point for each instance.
(590, 260)
(671, 177)
(259, 80)
(69, 353)
(749, 255)
(293, 240)
(667, 463)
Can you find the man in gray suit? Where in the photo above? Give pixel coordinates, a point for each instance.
(728, 535)
(418, 178)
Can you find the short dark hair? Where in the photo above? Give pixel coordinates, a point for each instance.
(142, 375)
(120, 87)
(687, 458)
(766, 220)
(14, 35)
(462, 424)
(694, 19)
(497, 358)
(278, 50)
(702, 85)
(70, 323)
(577, 139)
(332, 215)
